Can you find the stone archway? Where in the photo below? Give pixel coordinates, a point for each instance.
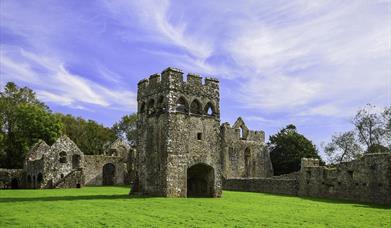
(200, 181)
(108, 174)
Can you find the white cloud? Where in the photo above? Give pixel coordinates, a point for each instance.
(162, 23)
(277, 93)
(54, 83)
(328, 57)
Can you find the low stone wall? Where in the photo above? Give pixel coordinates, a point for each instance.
(367, 179)
(267, 185)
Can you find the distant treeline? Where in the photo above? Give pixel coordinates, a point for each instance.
(24, 120)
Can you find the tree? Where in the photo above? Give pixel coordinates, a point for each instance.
(24, 120)
(33, 122)
(287, 148)
(126, 128)
(88, 135)
(342, 148)
(386, 123)
(373, 128)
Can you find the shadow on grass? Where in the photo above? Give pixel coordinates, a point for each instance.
(325, 200)
(72, 198)
(354, 203)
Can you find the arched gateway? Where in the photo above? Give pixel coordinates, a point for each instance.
(200, 181)
(108, 174)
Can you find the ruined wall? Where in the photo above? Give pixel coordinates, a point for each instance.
(244, 153)
(286, 184)
(267, 185)
(11, 178)
(367, 179)
(93, 169)
(178, 127)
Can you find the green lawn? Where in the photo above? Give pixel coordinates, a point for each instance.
(111, 206)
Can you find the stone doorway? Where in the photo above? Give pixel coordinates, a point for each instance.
(108, 174)
(200, 181)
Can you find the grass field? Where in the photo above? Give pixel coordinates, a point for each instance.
(111, 206)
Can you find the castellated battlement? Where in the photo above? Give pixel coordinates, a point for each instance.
(172, 78)
(169, 93)
(309, 162)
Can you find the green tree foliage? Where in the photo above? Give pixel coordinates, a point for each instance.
(24, 120)
(89, 136)
(287, 147)
(126, 128)
(342, 148)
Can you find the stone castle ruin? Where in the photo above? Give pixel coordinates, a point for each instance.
(183, 150)
(63, 165)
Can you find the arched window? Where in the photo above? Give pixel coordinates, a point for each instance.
(160, 104)
(241, 132)
(209, 109)
(247, 156)
(182, 105)
(195, 107)
(151, 107)
(63, 157)
(142, 108)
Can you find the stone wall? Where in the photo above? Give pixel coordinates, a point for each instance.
(93, 169)
(74, 179)
(367, 179)
(11, 178)
(266, 185)
(244, 153)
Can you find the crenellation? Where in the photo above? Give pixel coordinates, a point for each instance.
(309, 162)
(194, 80)
(154, 81)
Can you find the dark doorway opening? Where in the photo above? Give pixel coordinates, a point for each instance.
(200, 181)
(108, 174)
(39, 180)
(14, 183)
(247, 157)
(29, 181)
(76, 161)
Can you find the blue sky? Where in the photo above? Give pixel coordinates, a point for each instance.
(310, 63)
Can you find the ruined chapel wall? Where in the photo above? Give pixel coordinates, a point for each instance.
(93, 169)
(57, 165)
(244, 157)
